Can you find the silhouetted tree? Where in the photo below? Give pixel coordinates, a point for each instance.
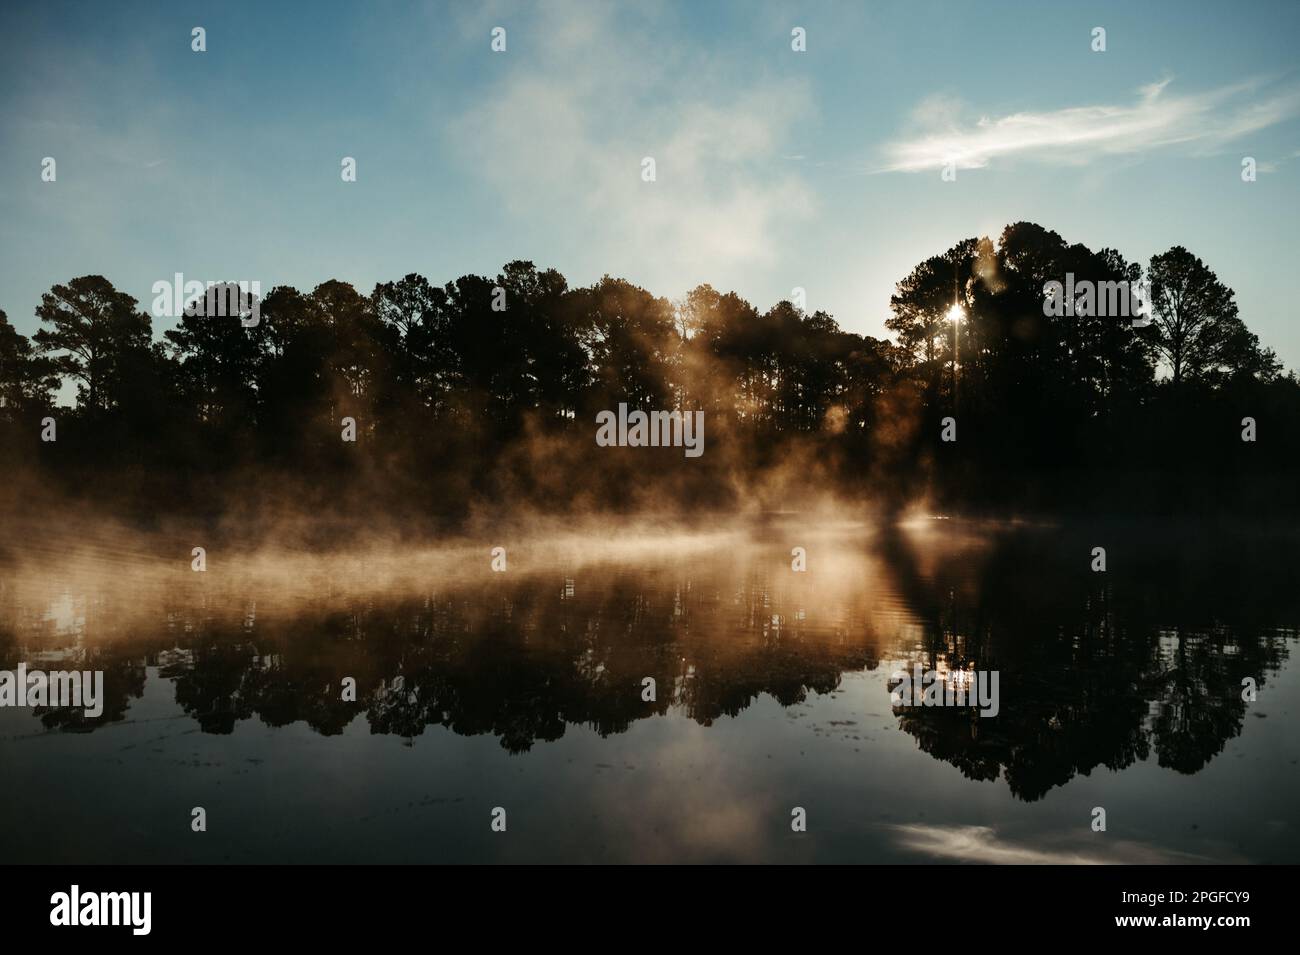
(26, 379)
(1198, 331)
(219, 364)
(95, 329)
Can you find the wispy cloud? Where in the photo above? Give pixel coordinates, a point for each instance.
(561, 139)
(1159, 118)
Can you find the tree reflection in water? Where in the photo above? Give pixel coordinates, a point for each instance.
(1097, 670)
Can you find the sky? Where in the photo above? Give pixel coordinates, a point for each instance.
(775, 169)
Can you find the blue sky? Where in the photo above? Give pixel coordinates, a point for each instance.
(775, 169)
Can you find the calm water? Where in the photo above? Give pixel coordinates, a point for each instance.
(523, 690)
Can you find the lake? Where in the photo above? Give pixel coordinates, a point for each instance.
(522, 696)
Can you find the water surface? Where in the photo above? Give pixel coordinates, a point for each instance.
(524, 690)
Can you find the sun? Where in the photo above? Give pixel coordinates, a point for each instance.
(956, 314)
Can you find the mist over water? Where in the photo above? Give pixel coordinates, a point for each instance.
(524, 689)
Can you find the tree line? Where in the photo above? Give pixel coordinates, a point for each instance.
(486, 389)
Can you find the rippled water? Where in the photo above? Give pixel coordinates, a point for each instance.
(524, 690)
